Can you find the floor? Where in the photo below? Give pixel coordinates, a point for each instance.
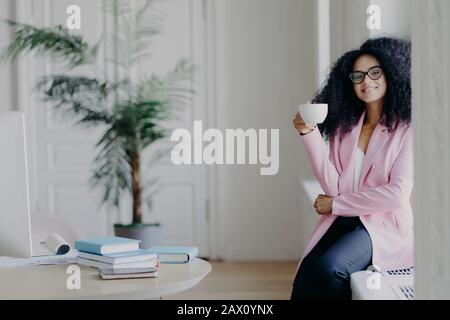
(243, 281)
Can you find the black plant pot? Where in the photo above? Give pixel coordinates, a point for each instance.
(149, 234)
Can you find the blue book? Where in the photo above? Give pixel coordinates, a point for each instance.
(105, 245)
(172, 254)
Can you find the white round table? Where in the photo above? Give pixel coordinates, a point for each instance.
(49, 282)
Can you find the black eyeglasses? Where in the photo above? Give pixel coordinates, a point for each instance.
(374, 73)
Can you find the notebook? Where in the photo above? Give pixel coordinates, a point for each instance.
(172, 254)
(123, 257)
(128, 273)
(98, 264)
(106, 245)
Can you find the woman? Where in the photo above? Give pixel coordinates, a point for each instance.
(365, 215)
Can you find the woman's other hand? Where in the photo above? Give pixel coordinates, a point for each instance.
(301, 126)
(323, 204)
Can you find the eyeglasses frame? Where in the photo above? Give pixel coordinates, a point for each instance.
(366, 74)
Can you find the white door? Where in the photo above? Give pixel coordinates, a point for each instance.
(61, 154)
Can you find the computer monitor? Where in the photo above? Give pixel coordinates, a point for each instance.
(15, 228)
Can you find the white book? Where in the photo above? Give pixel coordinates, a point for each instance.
(128, 273)
(117, 258)
(153, 263)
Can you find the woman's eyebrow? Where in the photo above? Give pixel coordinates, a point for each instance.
(368, 69)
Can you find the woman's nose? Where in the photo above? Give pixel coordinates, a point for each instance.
(367, 81)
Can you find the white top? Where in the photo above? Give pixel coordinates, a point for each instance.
(359, 158)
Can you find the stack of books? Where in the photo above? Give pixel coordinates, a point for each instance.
(117, 255)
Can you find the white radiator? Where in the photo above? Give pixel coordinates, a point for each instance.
(389, 285)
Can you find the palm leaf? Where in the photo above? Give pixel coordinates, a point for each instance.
(135, 32)
(150, 114)
(173, 89)
(56, 43)
(112, 168)
(117, 7)
(80, 96)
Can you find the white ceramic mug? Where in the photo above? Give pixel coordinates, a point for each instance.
(313, 113)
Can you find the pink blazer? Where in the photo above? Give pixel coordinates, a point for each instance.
(383, 202)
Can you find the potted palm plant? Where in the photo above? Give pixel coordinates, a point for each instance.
(131, 112)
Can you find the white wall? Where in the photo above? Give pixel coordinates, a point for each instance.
(348, 19)
(7, 101)
(265, 68)
(395, 18)
(431, 101)
(323, 41)
(348, 26)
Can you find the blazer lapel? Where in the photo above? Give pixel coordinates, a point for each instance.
(377, 141)
(346, 152)
(349, 143)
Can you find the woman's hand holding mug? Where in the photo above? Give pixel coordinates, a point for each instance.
(309, 115)
(301, 126)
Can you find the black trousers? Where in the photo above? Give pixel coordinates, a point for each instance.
(325, 272)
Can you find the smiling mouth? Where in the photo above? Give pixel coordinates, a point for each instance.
(369, 89)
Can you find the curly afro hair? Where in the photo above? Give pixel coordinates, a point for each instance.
(345, 108)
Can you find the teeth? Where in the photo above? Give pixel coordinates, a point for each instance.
(368, 89)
